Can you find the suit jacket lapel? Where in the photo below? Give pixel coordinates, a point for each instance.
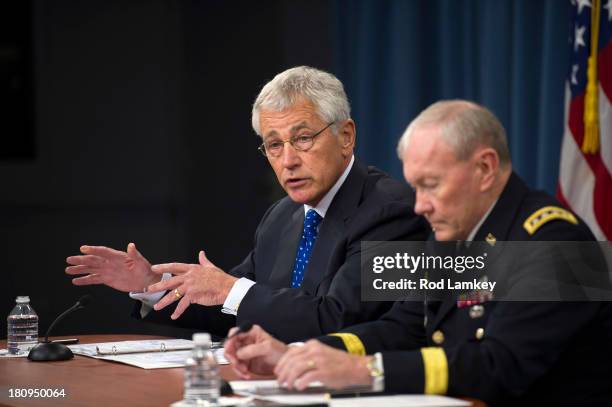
(331, 228)
(287, 249)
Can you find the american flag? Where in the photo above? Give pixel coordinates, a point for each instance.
(585, 182)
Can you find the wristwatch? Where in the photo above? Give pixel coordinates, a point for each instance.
(377, 372)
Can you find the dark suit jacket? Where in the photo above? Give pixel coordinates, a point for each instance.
(515, 353)
(369, 206)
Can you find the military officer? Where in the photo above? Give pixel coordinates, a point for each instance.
(455, 156)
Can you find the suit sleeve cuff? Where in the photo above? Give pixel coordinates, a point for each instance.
(436, 370)
(333, 341)
(419, 371)
(404, 372)
(236, 295)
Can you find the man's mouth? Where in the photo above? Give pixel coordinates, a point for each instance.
(296, 182)
(435, 225)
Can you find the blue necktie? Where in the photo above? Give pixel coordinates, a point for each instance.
(309, 235)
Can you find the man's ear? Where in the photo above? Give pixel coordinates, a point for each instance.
(347, 134)
(487, 165)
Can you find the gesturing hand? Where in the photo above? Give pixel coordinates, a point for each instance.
(203, 283)
(123, 271)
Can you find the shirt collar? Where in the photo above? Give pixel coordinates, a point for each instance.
(324, 203)
(480, 222)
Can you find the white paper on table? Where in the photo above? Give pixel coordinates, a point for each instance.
(246, 387)
(255, 388)
(143, 346)
(156, 360)
(222, 401)
(298, 399)
(250, 386)
(151, 360)
(408, 400)
(402, 400)
(220, 356)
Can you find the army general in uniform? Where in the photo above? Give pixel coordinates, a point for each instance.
(455, 156)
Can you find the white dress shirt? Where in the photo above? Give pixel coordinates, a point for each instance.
(476, 228)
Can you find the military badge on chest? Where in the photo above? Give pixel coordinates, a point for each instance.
(474, 299)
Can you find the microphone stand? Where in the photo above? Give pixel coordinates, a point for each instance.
(51, 351)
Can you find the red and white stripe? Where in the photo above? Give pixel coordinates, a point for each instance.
(585, 181)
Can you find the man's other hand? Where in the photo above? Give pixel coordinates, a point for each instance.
(316, 362)
(253, 352)
(123, 271)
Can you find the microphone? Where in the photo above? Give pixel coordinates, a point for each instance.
(49, 351)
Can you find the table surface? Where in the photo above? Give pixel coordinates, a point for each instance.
(93, 382)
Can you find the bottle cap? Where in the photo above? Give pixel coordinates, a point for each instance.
(22, 299)
(201, 339)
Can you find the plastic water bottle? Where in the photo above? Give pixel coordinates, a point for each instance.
(22, 332)
(202, 381)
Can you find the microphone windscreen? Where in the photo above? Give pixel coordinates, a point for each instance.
(84, 300)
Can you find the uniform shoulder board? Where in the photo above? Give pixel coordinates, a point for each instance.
(544, 215)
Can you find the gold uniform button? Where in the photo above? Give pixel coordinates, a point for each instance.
(438, 337)
(479, 333)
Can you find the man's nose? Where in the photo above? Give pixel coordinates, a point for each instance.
(422, 204)
(289, 156)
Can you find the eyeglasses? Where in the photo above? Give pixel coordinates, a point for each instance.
(304, 142)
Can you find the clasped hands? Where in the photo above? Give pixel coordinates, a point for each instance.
(202, 283)
(258, 353)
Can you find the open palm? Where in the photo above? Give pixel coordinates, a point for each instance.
(123, 271)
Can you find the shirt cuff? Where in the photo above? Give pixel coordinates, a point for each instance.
(235, 296)
(149, 299)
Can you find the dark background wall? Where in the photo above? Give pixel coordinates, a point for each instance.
(133, 117)
(142, 134)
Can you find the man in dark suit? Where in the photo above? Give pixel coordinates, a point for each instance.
(302, 278)
(502, 352)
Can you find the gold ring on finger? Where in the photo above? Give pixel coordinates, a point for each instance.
(177, 293)
(310, 364)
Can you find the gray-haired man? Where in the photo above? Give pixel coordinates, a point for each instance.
(302, 278)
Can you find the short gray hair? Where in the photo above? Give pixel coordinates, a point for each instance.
(320, 88)
(464, 125)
